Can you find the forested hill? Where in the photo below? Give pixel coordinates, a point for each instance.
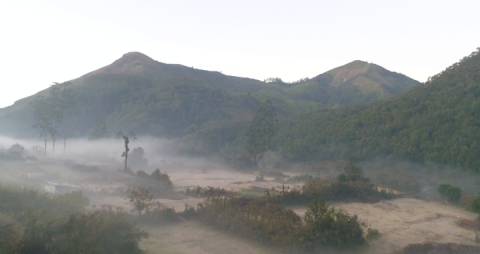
(439, 121)
(356, 83)
(136, 93)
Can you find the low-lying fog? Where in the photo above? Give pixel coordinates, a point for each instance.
(95, 167)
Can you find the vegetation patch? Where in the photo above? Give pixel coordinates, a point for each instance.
(271, 223)
(349, 186)
(35, 223)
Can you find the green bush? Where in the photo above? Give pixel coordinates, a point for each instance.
(271, 223)
(325, 226)
(96, 233)
(451, 193)
(37, 223)
(11, 234)
(349, 186)
(475, 206)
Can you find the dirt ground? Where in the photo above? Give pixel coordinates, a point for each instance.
(193, 238)
(401, 221)
(406, 221)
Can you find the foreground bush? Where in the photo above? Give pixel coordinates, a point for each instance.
(449, 192)
(11, 235)
(96, 233)
(351, 186)
(325, 226)
(271, 223)
(36, 223)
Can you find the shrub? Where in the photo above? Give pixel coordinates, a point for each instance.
(11, 235)
(162, 178)
(475, 206)
(97, 233)
(372, 234)
(271, 223)
(325, 226)
(208, 192)
(451, 193)
(36, 223)
(351, 185)
(141, 199)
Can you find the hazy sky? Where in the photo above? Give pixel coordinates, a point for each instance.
(58, 40)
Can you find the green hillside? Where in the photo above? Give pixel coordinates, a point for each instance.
(356, 83)
(136, 93)
(438, 121)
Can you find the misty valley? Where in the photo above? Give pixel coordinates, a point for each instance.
(145, 157)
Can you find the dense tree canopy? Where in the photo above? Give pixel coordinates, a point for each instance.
(439, 121)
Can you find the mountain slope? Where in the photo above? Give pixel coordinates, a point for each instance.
(438, 121)
(139, 94)
(356, 83)
(136, 93)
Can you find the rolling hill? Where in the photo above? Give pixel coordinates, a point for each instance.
(136, 93)
(356, 83)
(438, 121)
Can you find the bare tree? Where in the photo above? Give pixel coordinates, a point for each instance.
(126, 141)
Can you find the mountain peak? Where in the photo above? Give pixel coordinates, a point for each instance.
(358, 62)
(135, 57)
(366, 79)
(129, 63)
(351, 70)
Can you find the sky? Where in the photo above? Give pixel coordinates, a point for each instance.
(48, 41)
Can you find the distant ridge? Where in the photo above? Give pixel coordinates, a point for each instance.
(143, 95)
(438, 121)
(357, 82)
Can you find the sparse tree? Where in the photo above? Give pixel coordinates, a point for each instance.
(49, 113)
(141, 199)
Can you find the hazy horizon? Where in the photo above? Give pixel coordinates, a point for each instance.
(56, 41)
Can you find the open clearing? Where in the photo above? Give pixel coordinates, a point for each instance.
(406, 221)
(191, 237)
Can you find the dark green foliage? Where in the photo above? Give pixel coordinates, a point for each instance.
(163, 178)
(11, 235)
(270, 223)
(136, 93)
(34, 223)
(262, 221)
(356, 83)
(261, 132)
(372, 234)
(475, 206)
(325, 226)
(97, 233)
(211, 109)
(16, 202)
(438, 121)
(94, 232)
(141, 199)
(349, 186)
(157, 176)
(352, 174)
(451, 193)
(208, 192)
